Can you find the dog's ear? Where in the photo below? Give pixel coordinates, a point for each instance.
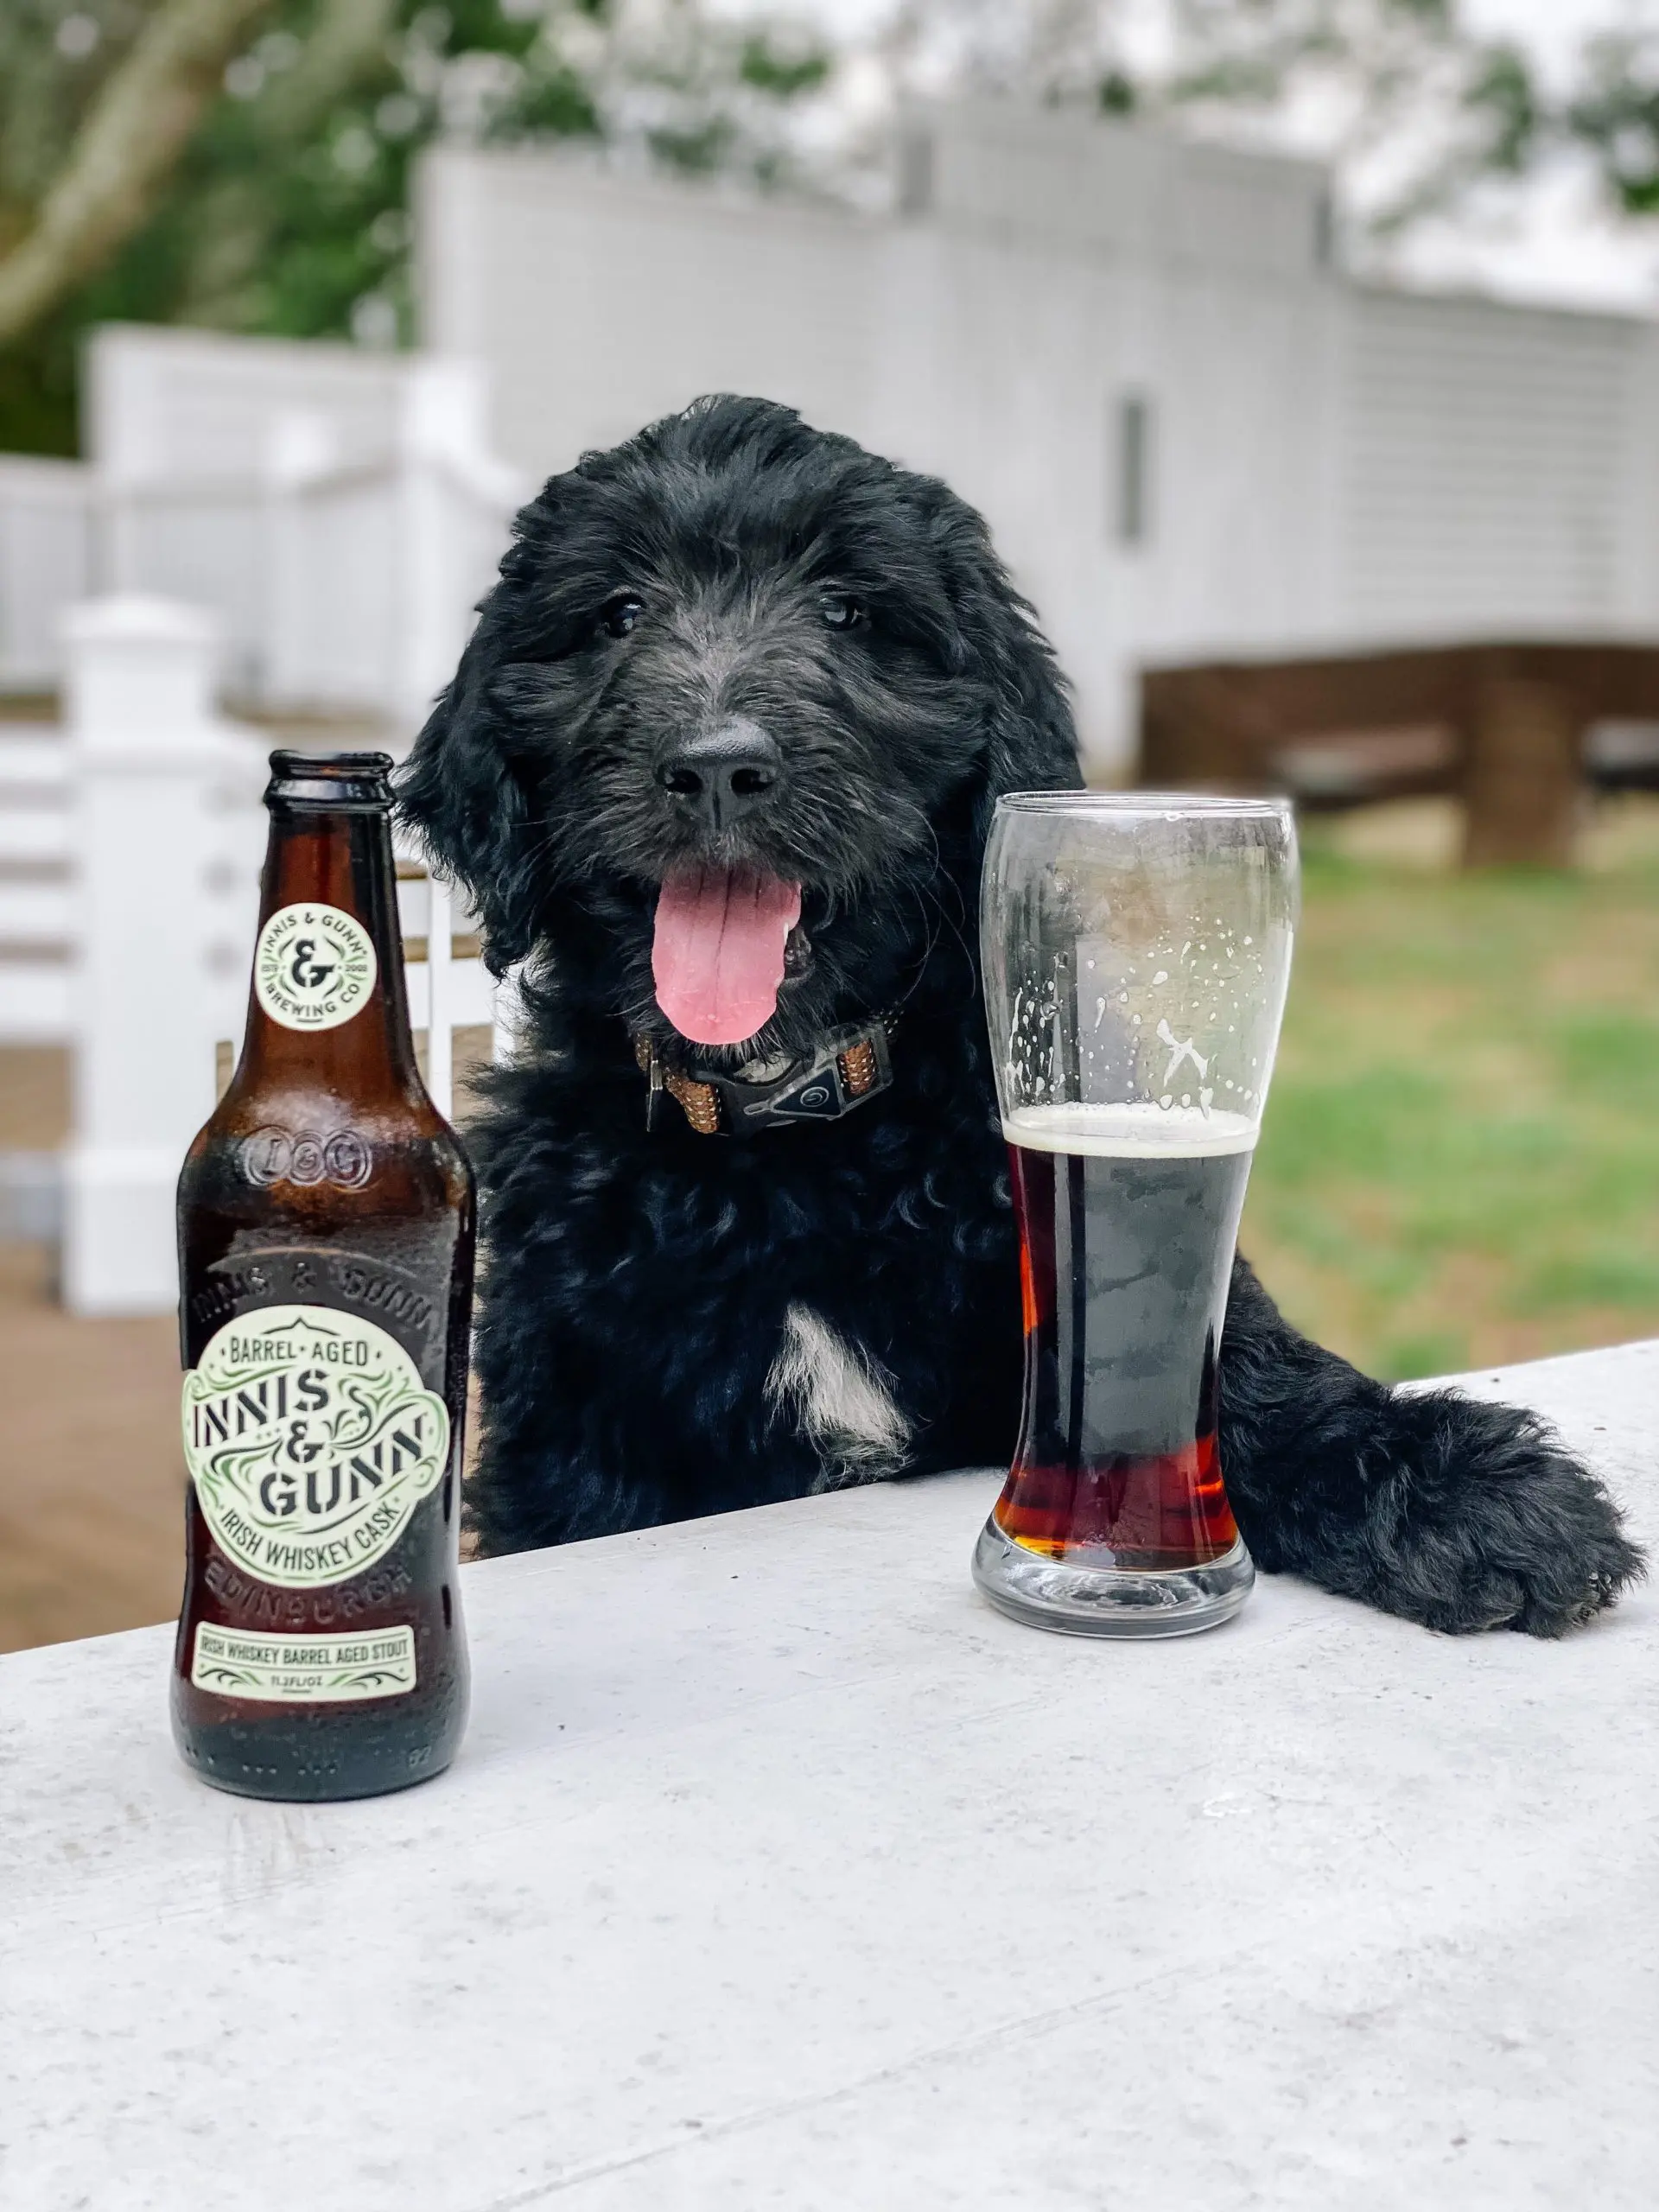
(459, 791)
(1031, 739)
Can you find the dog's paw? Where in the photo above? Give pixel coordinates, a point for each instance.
(1497, 1525)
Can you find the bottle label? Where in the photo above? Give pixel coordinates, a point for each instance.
(314, 966)
(303, 1670)
(310, 1440)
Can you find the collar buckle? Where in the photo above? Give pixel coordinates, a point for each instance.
(851, 1066)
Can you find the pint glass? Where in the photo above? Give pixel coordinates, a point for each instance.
(1136, 953)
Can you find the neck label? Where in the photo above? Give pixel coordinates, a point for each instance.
(313, 966)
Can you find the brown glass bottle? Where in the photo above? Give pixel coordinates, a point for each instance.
(326, 1224)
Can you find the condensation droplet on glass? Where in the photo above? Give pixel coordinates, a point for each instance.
(1168, 1100)
(1162, 976)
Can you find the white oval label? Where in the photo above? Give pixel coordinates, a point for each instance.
(314, 966)
(310, 1440)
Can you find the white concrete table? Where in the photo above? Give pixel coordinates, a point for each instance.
(779, 1872)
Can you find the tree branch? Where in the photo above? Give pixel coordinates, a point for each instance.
(134, 133)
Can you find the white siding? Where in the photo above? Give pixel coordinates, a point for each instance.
(600, 304)
(993, 351)
(45, 563)
(1488, 467)
(1330, 465)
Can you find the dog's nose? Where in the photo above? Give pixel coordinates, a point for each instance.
(722, 774)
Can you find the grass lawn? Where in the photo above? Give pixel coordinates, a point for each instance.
(1460, 1163)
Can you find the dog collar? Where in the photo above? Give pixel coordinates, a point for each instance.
(850, 1067)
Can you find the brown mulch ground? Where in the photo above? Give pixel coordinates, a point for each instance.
(92, 1477)
(91, 1474)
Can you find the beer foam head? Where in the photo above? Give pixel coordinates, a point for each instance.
(1130, 1132)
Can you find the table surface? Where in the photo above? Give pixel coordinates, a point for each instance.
(778, 1871)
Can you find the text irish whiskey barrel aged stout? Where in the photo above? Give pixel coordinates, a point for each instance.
(325, 1257)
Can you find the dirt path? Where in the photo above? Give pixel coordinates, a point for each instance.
(90, 1473)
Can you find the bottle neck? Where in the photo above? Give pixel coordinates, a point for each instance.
(340, 858)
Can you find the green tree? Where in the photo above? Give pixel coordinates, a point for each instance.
(275, 197)
(1395, 94)
(245, 164)
(1615, 115)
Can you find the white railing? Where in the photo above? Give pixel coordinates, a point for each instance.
(35, 902)
(449, 987)
(161, 821)
(340, 514)
(47, 554)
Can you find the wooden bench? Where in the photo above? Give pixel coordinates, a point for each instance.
(1517, 731)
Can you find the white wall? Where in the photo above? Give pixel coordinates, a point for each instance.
(1498, 469)
(165, 404)
(1330, 465)
(600, 304)
(339, 511)
(988, 340)
(47, 562)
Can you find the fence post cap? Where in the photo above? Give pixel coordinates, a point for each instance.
(136, 619)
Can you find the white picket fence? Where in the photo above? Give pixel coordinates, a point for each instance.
(150, 800)
(45, 563)
(341, 513)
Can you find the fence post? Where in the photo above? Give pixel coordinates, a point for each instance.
(148, 763)
(1523, 773)
(440, 1001)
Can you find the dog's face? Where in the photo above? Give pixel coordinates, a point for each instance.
(724, 738)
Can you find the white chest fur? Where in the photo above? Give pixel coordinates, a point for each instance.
(840, 1398)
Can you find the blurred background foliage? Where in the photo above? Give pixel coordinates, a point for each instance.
(287, 210)
(245, 164)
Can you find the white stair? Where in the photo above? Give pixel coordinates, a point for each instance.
(36, 920)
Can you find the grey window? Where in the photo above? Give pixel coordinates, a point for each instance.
(1131, 461)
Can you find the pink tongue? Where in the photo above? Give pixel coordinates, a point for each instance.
(718, 954)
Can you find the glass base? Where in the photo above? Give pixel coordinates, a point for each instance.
(1108, 1600)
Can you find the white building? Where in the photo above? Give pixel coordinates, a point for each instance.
(1191, 433)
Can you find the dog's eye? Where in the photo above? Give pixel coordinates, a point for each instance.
(619, 615)
(840, 610)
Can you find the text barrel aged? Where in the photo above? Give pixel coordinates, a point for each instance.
(326, 1229)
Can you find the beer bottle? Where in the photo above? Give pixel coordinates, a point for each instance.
(325, 1219)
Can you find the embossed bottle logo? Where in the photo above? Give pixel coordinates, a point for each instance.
(271, 1154)
(310, 1440)
(314, 966)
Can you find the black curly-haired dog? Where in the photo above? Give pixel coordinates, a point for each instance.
(733, 656)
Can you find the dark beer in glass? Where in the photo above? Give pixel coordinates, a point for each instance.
(326, 1225)
(1137, 951)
